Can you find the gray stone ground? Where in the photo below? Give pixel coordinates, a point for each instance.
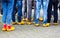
(30, 31)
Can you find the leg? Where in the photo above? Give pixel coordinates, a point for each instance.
(9, 15)
(19, 10)
(49, 13)
(55, 12)
(13, 13)
(4, 6)
(29, 11)
(45, 7)
(10, 10)
(34, 8)
(24, 10)
(37, 13)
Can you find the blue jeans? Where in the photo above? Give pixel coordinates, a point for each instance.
(18, 3)
(14, 13)
(44, 4)
(7, 11)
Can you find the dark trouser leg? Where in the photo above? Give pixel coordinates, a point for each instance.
(34, 8)
(25, 12)
(49, 12)
(13, 13)
(55, 12)
(24, 9)
(19, 11)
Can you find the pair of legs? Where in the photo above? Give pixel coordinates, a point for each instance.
(55, 6)
(29, 11)
(44, 4)
(7, 6)
(19, 11)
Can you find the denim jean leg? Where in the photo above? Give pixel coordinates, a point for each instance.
(14, 13)
(45, 7)
(19, 10)
(37, 13)
(4, 6)
(10, 10)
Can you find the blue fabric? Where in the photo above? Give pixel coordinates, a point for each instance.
(44, 4)
(18, 3)
(13, 13)
(7, 11)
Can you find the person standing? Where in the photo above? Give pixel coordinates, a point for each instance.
(53, 3)
(29, 11)
(44, 4)
(7, 6)
(18, 3)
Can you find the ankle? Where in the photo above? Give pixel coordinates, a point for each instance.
(9, 26)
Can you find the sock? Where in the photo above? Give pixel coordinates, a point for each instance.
(4, 25)
(9, 26)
